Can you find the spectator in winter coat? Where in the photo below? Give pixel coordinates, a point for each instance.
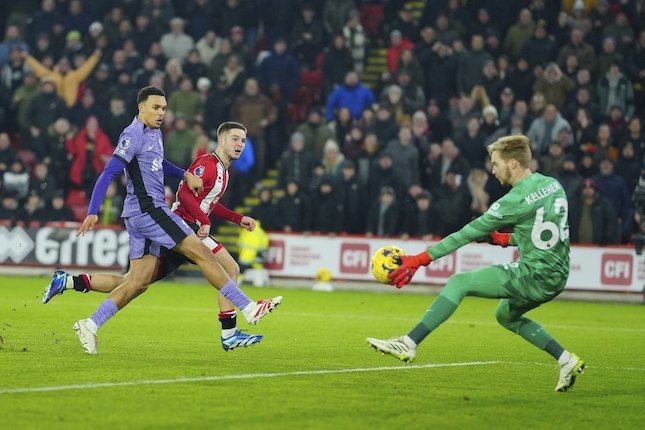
(296, 164)
(592, 219)
(547, 128)
(353, 95)
(569, 177)
(327, 209)
(554, 85)
(176, 44)
(90, 150)
(612, 186)
(294, 210)
(279, 73)
(614, 89)
(383, 217)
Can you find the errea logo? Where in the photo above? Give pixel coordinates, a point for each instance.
(15, 244)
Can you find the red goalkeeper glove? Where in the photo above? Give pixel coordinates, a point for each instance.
(408, 266)
(502, 239)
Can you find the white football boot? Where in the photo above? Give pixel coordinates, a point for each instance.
(254, 312)
(86, 332)
(395, 347)
(569, 371)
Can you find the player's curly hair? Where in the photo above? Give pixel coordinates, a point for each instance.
(146, 92)
(228, 126)
(516, 146)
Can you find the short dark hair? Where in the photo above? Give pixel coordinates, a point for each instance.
(146, 92)
(228, 126)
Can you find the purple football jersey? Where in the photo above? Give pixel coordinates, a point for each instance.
(141, 149)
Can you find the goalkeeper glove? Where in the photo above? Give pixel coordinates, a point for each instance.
(502, 239)
(408, 266)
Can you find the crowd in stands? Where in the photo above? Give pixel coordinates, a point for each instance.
(401, 155)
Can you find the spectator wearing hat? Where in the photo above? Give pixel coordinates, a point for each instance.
(307, 37)
(73, 44)
(383, 217)
(489, 124)
(396, 46)
(66, 80)
(296, 163)
(176, 44)
(554, 85)
(592, 220)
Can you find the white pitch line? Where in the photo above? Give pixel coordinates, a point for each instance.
(243, 376)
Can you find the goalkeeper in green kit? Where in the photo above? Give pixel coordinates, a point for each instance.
(536, 208)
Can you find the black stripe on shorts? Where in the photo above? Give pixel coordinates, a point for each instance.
(167, 224)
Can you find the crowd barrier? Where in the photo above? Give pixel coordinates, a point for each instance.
(610, 269)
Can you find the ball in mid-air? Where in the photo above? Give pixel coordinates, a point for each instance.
(383, 262)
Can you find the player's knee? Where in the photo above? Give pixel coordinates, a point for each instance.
(504, 318)
(234, 271)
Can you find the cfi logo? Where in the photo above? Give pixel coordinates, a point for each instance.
(156, 165)
(354, 258)
(199, 171)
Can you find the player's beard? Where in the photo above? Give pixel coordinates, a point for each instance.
(504, 177)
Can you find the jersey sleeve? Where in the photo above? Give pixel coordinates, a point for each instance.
(191, 204)
(128, 147)
(504, 212)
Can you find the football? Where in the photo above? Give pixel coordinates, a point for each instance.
(383, 262)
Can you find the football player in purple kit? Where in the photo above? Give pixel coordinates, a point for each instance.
(150, 223)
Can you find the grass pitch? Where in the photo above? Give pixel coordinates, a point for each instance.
(161, 366)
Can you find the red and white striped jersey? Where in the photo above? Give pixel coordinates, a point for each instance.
(214, 175)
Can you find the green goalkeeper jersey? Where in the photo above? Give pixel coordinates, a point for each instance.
(537, 209)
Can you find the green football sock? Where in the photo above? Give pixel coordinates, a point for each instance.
(437, 313)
